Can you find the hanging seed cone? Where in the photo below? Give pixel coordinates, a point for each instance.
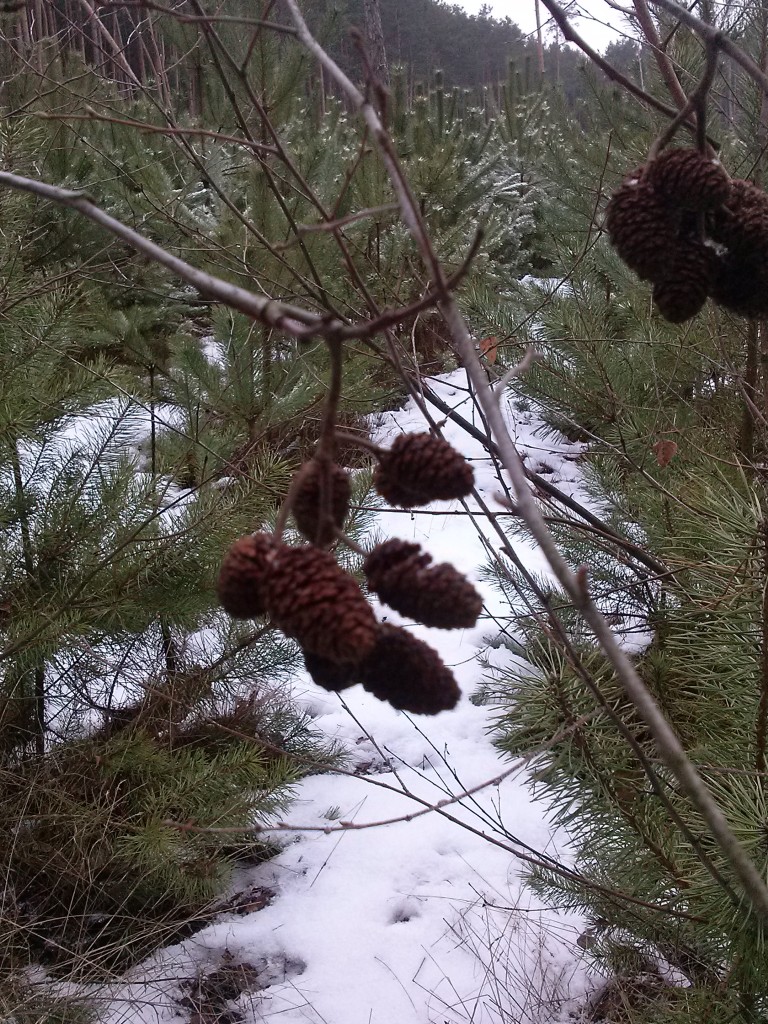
(420, 468)
(242, 582)
(741, 223)
(321, 502)
(682, 293)
(408, 673)
(314, 601)
(436, 596)
(740, 284)
(331, 675)
(641, 227)
(689, 179)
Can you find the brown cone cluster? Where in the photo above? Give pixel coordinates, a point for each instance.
(242, 583)
(420, 468)
(310, 598)
(321, 502)
(641, 227)
(741, 223)
(318, 604)
(682, 224)
(331, 675)
(681, 292)
(408, 673)
(741, 285)
(306, 594)
(687, 178)
(439, 596)
(400, 669)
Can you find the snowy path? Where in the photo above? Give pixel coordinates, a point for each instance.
(416, 922)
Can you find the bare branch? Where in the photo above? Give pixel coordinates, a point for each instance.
(667, 742)
(351, 218)
(290, 319)
(573, 36)
(668, 73)
(696, 104)
(530, 357)
(711, 34)
(231, 19)
(144, 126)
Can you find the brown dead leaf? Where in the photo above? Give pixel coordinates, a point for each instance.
(489, 348)
(665, 451)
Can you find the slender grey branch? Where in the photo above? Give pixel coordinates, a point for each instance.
(530, 356)
(668, 73)
(290, 319)
(284, 317)
(574, 584)
(565, 26)
(718, 38)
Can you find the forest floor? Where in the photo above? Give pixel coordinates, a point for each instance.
(416, 921)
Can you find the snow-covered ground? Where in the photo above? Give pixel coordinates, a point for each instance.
(419, 920)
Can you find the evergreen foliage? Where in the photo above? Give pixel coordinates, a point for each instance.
(473, 50)
(673, 457)
(142, 429)
(128, 705)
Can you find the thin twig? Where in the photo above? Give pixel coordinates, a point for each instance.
(667, 742)
(668, 73)
(155, 129)
(332, 225)
(529, 358)
(359, 441)
(697, 103)
(545, 487)
(573, 36)
(231, 19)
(709, 33)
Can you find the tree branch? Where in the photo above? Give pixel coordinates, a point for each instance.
(574, 584)
(284, 317)
(715, 36)
(573, 36)
(668, 73)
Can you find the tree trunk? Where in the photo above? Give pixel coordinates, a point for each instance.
(374, 38)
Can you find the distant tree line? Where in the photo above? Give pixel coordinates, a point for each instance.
(472, 50)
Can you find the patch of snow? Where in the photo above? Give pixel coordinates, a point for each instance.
(424, 919)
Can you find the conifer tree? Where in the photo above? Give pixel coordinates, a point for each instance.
(143, 429)
(673, 447)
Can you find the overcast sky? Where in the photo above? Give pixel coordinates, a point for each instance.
(523, 13)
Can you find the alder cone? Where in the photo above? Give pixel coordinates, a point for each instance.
(408, 673)
(420, 468)
(740, 284)
(437, 596)
(689, 179)
(641, 227)
(331, 675)
(324, 487)
(741, 224)
(681, 294)
(242, 582)
(314, 601)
